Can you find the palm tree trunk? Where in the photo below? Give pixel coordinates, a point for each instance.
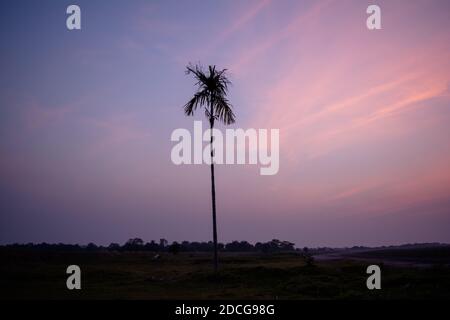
(213, 194)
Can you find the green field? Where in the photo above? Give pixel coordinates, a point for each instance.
(136, 275)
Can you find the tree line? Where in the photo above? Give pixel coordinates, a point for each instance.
(137, 244)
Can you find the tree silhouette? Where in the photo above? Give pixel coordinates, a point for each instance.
(212, 89)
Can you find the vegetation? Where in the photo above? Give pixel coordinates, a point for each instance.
(137, 244)
(212, 94)
(37, 274)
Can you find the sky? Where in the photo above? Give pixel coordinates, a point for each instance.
(86, 118)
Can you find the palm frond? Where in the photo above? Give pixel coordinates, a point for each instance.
(200, 98)
(211, 93)
(224, 110)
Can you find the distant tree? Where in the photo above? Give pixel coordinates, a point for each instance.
(134, 244)
(287, 246)
(237, 246)
(114, 247)
(91, 247)
(163, 243)
(174, 248)
(185, 246)
(309, 259)
(151, 246)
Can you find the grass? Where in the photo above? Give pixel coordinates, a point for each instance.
(135, 275)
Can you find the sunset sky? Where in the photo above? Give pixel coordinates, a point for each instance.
(364, 117)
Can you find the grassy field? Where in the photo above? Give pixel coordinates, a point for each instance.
(134, 275)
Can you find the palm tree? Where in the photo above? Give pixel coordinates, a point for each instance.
(212, 89)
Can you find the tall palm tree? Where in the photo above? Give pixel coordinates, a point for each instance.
(212, 89)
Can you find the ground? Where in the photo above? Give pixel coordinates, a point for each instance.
(137, 275)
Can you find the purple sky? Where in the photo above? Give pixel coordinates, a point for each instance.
(86, 119)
